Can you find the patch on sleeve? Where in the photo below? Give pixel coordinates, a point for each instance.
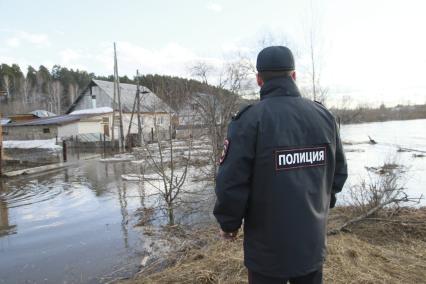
(303, 157)
(224, 151)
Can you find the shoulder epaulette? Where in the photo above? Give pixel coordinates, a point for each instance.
(240, 112)
(321, 104)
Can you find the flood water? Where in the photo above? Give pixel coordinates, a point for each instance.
(72, 226)
(76, 225)
(409, 135)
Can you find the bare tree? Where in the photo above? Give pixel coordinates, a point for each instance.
(54, 96)
(384, 188)
(171, 168)
(315, 53)
(201, 70)
(238, 75)
(169, 160)
(345, 112)
(217, 108)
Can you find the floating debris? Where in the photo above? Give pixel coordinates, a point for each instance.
(385, 169)
(372, 141)
(354, 150)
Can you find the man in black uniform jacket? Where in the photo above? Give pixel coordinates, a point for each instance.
(280, 169)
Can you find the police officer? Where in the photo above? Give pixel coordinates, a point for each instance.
(280, 169)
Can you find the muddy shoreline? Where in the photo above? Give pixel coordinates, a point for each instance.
(374, 251)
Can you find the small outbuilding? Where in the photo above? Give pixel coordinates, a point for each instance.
(62, 126)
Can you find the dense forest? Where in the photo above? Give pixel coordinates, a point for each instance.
(41, 88)
(54, 90)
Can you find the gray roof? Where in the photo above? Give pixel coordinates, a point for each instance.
(149, 101)
(53, 120)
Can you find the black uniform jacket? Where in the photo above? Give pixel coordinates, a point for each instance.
(282, 162)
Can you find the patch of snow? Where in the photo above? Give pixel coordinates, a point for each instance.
(4, 121)
(132, 177)
(92, 110)
(144, 260)
(42, 113)
(118, 158)
(32, 144)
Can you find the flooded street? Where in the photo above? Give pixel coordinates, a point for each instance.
(72, 226)
(76, 225)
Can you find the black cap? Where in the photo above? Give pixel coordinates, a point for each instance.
(275, 58)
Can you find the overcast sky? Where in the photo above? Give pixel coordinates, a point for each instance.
(373, 51)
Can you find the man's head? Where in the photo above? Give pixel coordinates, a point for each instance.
(274, 62)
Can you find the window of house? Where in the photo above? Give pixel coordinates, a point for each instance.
(159, 120)
(5, 133)
(46, 130)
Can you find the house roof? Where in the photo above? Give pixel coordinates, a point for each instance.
(54, 120)
(149, 101)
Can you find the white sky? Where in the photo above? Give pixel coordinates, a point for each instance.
(373, 51)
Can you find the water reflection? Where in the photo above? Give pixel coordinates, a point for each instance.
(5, 227)
(74, 225)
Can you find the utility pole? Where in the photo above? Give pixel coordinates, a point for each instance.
(120, 109)
(1, 147)
(113, 115)
(137, 105)
(138, 97)
(131, 116)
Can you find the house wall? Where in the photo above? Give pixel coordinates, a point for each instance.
(148, 123)
(29, 132)
(68, 130)
(86, 127)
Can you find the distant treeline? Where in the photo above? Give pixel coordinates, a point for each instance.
(41, 88)
(54, 90)
(382, 113)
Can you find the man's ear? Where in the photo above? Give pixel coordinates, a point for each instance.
(293, 75)
(259, 80)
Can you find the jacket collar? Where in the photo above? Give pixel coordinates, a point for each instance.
(279, 87)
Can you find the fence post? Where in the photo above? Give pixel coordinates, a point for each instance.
(104, 144)
(64, 151)
(1, 156)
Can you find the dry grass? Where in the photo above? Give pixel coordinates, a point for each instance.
(375, 251)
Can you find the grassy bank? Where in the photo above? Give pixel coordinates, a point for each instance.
(383, 249)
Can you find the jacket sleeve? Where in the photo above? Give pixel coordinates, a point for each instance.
(233, 181)
(341, 169)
